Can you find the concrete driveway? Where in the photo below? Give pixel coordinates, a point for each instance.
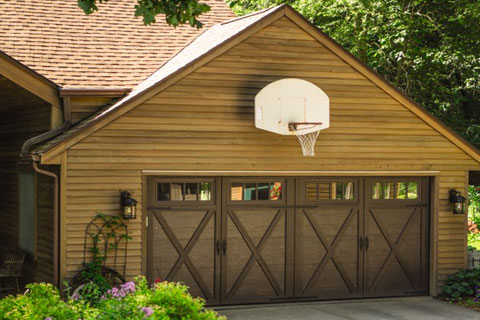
(421, 308)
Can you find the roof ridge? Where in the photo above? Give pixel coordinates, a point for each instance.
(173, 56)
(250, 15)
(208, 29)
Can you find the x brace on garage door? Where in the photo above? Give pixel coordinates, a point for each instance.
(250, 240)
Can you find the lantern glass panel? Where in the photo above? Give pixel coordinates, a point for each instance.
(459, 208)
(129, 212)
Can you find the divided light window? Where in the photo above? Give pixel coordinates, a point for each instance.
(330, 190)
(253, 191)
(184, 191)
(395, 190)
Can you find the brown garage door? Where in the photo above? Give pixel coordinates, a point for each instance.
(250, 240)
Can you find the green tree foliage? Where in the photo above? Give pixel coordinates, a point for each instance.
(428, 48)
(177, 12)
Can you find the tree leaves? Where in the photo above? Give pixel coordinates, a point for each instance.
(177, 12)
(427, 48)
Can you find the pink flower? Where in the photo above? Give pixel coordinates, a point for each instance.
(148, 311)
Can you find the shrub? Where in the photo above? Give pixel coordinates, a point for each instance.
(133, 300)
(463, 284)
(90, 285)
(40, 301)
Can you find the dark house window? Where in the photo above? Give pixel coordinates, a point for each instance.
(26, 211)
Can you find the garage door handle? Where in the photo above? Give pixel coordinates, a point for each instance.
(366, 243)
(360, 243)
(224, 247)
(217, 245)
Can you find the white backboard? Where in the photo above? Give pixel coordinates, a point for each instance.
(291, 100)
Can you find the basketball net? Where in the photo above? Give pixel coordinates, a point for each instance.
(307, 139)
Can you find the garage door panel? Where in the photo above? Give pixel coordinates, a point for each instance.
(184, 275)
(396, 256)
(183, 249)
(309, 254)
(163, 252)
(327, 263)
(329, 284)
(391, 281)
(202, 255)
(255, 258)
(409, 249)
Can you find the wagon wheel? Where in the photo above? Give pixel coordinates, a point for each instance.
(113, 278)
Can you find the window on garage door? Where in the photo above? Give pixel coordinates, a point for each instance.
(396, 190)
(331, 190)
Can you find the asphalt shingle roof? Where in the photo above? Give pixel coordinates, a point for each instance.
(108, 49)
(212, 38)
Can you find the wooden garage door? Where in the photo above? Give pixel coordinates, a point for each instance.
(183, 237)
(328, 220)
(250, 240)
(361, 237)
(256, 220)
(396, 237)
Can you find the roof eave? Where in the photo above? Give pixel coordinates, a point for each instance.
(94, 92)
(29, 79)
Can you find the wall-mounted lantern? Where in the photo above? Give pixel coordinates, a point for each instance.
(458, 202)
(129, 205)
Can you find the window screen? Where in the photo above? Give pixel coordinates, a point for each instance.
(26, 212)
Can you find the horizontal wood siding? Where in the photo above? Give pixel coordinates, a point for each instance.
(23, 116)
(45, 187)
(206, 122)
(82, 107)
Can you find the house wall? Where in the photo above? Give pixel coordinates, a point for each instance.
(82, 107)
(45, 194)
(206, 122)
(23, 116)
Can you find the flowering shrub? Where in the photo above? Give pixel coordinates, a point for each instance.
(472, 227)
(473, 231)
(132, 300)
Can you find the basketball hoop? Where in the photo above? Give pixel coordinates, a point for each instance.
(307, 134)
(293, 106)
